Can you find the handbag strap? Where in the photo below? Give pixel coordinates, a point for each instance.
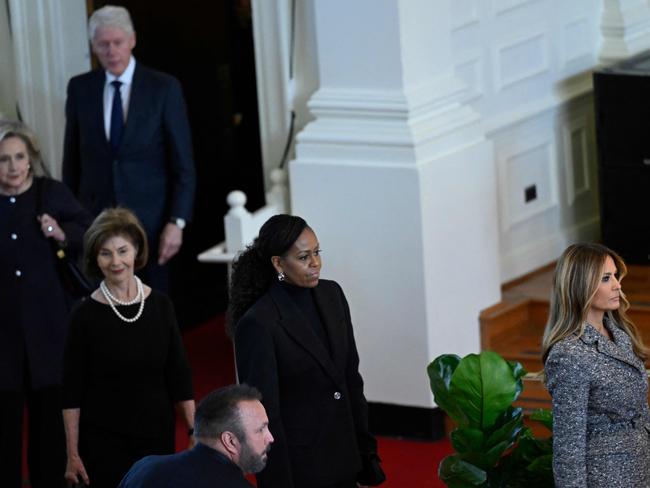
(57, 247)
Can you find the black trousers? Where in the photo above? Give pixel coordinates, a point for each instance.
(46, 439)
(108, 456)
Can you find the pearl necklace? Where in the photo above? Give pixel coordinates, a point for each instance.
(107, 293)
(110, 299)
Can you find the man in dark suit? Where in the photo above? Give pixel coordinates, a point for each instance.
(128, 142)
(233, 438)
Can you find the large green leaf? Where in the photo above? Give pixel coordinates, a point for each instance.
(509, 431)
(543, 416)
(542, 464)
(440, 372)
(483, 387)
(466, 439)
(492, 456)
(456, 473)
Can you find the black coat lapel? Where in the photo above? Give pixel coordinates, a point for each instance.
(96, 105)
(333, 316)
(295, 323)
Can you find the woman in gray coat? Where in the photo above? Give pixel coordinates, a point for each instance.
(595, 372)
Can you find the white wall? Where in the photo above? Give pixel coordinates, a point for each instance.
(529, 63)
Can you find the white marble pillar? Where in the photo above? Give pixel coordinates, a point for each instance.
(50, 46)
(398, 181)
(7, 68)
(625, 29)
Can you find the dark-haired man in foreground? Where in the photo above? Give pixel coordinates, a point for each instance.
(233, 438)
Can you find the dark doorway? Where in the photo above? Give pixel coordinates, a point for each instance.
(208, 46)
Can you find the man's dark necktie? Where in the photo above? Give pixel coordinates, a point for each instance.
(117, 117)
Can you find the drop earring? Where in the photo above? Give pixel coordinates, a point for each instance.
(281, 276)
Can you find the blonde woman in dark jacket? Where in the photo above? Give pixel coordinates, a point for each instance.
(594, 366)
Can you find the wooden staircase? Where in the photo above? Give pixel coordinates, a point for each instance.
(514, 330)
(514, 327)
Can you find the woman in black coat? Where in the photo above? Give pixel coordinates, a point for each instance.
(294, 342)
(35, 213)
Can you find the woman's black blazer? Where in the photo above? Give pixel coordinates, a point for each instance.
(314, 399)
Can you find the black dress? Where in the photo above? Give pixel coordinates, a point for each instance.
(33, 328)
(125, 378)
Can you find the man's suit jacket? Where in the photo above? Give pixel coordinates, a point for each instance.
(153, 170)
(200, 467)
(601, 420)
(314, 400)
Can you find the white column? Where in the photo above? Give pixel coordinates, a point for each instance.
(278, 93)
(7, 69)
(399, 183)
(50, 46)
(625, 29)
(271, 28)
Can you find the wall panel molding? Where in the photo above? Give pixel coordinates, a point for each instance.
(521, 163)
(576, 158)
(470, 70)
(545, 250)
(503, 6)
(520, 59)
(463, 14)
(571, 50)
(389, 127)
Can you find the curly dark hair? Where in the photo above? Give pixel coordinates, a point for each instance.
(253, 272)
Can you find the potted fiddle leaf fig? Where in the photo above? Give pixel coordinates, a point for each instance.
(493, 446)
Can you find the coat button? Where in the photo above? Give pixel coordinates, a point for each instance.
(14, 237)
(337, 395)
(18, 272)
(12, 199)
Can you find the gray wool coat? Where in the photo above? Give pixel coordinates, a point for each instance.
(601, 421)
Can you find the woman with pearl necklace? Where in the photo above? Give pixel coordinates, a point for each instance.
(124, 365)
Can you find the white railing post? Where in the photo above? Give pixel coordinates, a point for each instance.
(241, 226)
(278, 195)
(236, 221)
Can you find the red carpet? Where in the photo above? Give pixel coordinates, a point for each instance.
(408, 464)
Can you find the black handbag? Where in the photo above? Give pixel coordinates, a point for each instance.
(74, 282)
(72, 278)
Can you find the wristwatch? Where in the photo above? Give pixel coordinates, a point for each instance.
(180, 223)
